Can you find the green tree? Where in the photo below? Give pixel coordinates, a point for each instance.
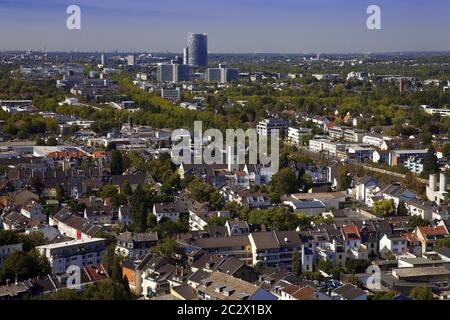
(108, 257)
(106, 290)
(52, 141)
(401, 209)
(166, 248)
(108, 191)
(62, 294)
(383, 295)
(356, 266)
(384, 208)
(37, 185)
(126, 188)
(139, 218)
(275, 197)
(21, 265)
(325, 265)
(32, 240)
(296, 261)
(430, 162)
(116, 164)
(216, 221)
(60, 192)
(283, 182)
(336, 272)
(446, 150)
(445, 242)
(417, 221)
(344, 179)
(8, 237)
(421, 293)
(354, 280)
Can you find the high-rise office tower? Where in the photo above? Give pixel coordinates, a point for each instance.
(165, 72)
(130, 60)
(186, 55)
(173, 72)
(213, 75)
(182, 73)
(221, 74)
(103, 58)
(198, 49)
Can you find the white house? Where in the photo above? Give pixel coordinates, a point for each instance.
(165, 210)
(394, 244)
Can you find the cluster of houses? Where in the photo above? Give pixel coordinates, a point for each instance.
(237, 260)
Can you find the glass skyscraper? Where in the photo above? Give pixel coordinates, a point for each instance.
(198, 49)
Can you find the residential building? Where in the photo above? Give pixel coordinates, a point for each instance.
(7, 250)
(436, 277)
(414, 164)
(399, 157)
(441, 195)
(266, 126)
(81, 253)
(236, 246)
(171, 94)
(274, 249)
(295, 135)
(135, 245)
(166, 210)
(393, 244)
(221, 286)
(441, 112)
(237, 228)
(375, 140)
(326, 146)
(348, 292)
(73, 226)
(428, 236)
(311, 208)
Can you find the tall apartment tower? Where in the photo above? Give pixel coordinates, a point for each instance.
(198, 49)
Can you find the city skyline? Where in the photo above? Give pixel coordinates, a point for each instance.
(285, 26)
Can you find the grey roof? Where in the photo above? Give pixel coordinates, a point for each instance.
(308, 204)
(444, 251)
(230, 265)
(265, 240)
(185, 291)
(349, 291)
(198, 276)
(224, 242)
(138, 237)
(119, 180)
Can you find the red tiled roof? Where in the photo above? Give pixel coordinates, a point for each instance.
(348, 230)
(410, 237)
(433, 230)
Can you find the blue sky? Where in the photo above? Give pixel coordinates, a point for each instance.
(293, 26)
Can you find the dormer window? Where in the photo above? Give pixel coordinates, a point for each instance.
(219, 288)
(228, 291)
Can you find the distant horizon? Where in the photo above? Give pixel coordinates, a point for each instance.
(232, 53)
